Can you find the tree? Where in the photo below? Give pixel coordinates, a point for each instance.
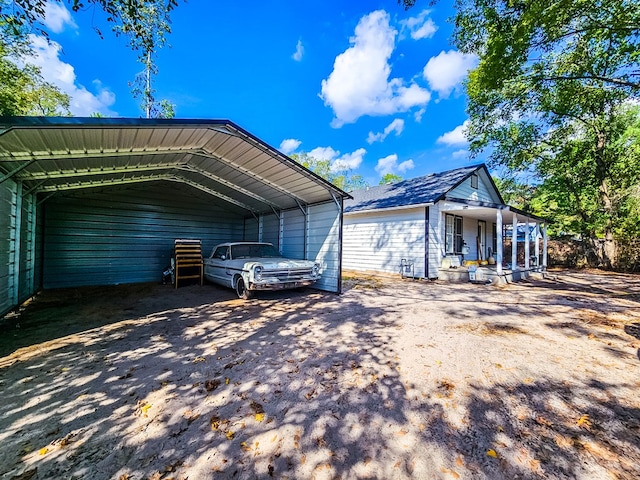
(389, 178)
(144, 22)
(552, 82)
(155, 23)
(321, 167)
(23, 91)
(20, 16)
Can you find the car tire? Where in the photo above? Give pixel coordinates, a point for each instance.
(242, 291)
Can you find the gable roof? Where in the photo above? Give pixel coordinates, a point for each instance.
(415, 191)
(233, 167)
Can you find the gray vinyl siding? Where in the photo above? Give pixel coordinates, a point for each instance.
(436, 240)
(294, 230)
(7, 245)
(271, 229)
(483, 193)
(323, 243)
(101, 238)
(378, 241)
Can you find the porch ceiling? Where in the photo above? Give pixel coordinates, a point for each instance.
(487, 212)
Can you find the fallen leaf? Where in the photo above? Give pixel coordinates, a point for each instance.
(245, 447)
(215, 422)
(274, 438)
(226, 381)
(584, 421)
(230, 435)
(198, 359)
(145, 408)
(43, 450)
(450, 472)
(492, 453)
(259, 417)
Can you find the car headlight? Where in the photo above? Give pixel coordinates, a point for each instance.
(257, 272)
(315, 270)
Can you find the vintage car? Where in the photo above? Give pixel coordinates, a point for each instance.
(250, 266)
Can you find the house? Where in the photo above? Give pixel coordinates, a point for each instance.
(100, 201)
(432, 226)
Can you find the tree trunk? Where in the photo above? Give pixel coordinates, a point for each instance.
(609, 248)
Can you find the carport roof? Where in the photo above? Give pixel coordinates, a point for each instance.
(53, 154)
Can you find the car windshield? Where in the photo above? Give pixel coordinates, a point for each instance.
(255, 250)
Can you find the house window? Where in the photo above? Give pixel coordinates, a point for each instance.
(474, 181)
(494, 235)
(453, 234)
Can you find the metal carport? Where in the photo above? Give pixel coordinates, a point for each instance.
(96, 201)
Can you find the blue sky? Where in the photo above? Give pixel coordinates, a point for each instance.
(370, 86)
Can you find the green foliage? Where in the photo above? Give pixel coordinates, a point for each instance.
(550, 95)
(389, 178)
(24, 92)
(129, 17)
(147, 32)
(341, 179)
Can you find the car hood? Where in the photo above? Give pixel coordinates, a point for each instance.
(276, 263)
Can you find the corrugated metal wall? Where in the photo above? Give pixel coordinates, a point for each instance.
(102, 238)
(323, 243)
(271, 229)
(293, 244)
(26, 283)
(251, 227)
(379, 241)
(7, 245)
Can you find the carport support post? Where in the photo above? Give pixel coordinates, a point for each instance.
(544, 247)
(527, 247)
(499, 233)
(514, 243)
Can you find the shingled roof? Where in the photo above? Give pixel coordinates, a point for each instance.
(415, 191)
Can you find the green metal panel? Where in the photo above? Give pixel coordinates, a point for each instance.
(119, 236)
(8, 282)
(26, 285)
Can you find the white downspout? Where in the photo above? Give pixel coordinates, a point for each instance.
(527, 247)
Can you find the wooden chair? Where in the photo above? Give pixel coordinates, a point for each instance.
(187, 255)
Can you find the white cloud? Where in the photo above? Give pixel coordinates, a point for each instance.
(348, 161)
(62, 75)
(460, 154)
(389, 164)
(297, 56)
(397, 125)
(418, 115)
(456, 136)
(359, 83)
(447, 70)
(420, 26)
(56, 17)
(289, 145)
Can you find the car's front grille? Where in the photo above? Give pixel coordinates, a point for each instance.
(288, 275)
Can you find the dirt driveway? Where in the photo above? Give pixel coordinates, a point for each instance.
(392, 379)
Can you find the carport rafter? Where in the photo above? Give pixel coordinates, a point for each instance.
(141, 179)
(190, 168)
(249, 173)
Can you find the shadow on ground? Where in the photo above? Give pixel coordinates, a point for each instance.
(175, 385)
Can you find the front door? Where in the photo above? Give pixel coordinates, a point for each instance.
(482, 240)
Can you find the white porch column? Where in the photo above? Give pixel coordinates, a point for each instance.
(514, 243)
(527, 247)
(544, 247)
(499, 253)
(537, 246)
